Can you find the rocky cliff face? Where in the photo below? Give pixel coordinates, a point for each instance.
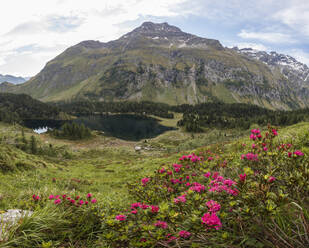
(159, 62)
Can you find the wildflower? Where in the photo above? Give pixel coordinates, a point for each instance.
(64, 196)
(51, 197)
(144, 206)
(210, 158)
(135, 205)
(57, 201)
(253, 137)
(72, 201)
(145, 180)
(170, 238)
(93, 200)
(134, 211)
(81, 202)
(298, 153)
(213, 206)
(271, 179)
(77, 197)
(161, 224)
(154, 209)
(290, 154)
(180, 199)
(207, 175)
(86, 202)
(89, 195)
(184, 234)
(265, 148)
(121, 217)
(274, 131)
(211, 220)
(161, 171)
(242, 177)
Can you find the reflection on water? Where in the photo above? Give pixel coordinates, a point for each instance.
(123, 126)
(41, 130)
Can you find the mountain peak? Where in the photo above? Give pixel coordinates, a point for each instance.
(158, 27)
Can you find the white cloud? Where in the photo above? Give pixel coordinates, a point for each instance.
(54, 25)
(269, 37)
(256, 46)
(300, 55)
(295, 16)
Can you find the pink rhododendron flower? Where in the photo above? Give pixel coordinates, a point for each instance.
(210, 158)
(298, 153)
(154, 209)
(64, 196)
(94, 200)
(51, 197)
(57, 201)
(81, 202)
(184, 234)
(180, 199)
(213, 206)
(211, 220)
(170, 238)
(253, 146)
(271, 179)
(197, 187)
(134, 212)
(161, 224)
(121, 217)
(86, 202)
(290, 154)
(265, 148)
(144, 206)
(136, 205)
(161, 171)
(208, 174)
(242, 177)
(253, 137)
(77, 197)
(72, 201)
(274, 131)
(145, 180)
(89, 195)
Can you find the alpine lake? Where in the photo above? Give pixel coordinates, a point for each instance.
(123, 126)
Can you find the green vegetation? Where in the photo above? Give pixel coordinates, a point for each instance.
(15, 108)
(76, 168)
(242, 116)
(72, 131)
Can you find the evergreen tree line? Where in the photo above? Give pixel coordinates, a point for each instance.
(221, 115)
(72, 131)
(91, 107)
(17, 107)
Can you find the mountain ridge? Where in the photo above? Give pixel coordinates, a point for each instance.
(158, 62)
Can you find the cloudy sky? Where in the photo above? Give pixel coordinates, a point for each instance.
(34, 31)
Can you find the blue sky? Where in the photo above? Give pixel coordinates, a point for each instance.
(33, 32)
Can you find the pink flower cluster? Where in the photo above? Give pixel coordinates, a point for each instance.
(192, 157)
(271, 179)
(213, 206)
(184, 234)
(250, 156)
(177, 167)
(297, 153)
(197, 187)
(220, 184)
(136, 205)
(121, 217)
(35, 197)
(145, 180)
(181, 198)
(255, 133)
(161, 224)
(211, 220)
(72, 200)
(242, 177)
(274, 131)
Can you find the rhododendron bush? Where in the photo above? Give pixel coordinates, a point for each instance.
(219, 199)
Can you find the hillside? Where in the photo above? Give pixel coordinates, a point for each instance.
(89, 194)
(16, 107)
(159, 62)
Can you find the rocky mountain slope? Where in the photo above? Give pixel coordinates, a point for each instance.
(12, 79)
(159, 62)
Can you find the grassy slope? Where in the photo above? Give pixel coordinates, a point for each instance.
(96, 166)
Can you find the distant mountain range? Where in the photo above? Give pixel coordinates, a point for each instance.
(12, 79)
(158, 62)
